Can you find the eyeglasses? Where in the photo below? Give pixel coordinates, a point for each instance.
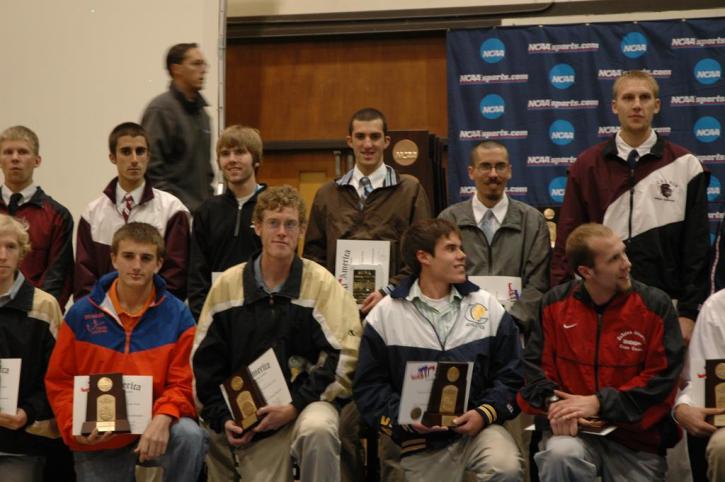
(500, 167)
(289, 226)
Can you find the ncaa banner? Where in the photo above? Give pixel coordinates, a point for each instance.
(545, 92)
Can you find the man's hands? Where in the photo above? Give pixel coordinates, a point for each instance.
(94, 438)
(564, 426)
(14, 422)
(692, 419)
(372, 300)
(686, 327)
(470, 423)
(154, 439)
(273, 417)
(573, 407)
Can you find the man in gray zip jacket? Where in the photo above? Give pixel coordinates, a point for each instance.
(504, 237)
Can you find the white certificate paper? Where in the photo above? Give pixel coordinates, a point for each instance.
(417, 385)
(9, 384)
(270, 379)
(353, 254)
(139, 400)
(506, 289)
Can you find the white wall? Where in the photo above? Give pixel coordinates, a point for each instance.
(73, 70)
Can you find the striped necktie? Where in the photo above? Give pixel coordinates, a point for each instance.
(127, 206)
(367, 188)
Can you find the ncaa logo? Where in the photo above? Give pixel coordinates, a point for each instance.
(561, 76)
(556, 189)
(492, 106)
(492, 51)
(707, 129)
(561, 132)
(713, 189)
(634, 45)
(707, 71)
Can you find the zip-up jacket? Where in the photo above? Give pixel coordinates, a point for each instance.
(659, 209)
(629, 354)
(222, 236)
(396, 333)
(312, 318)
(717, 271)
(520, 247)
(386, 213)
(179, 132)
(101, 220)
(92, 339)
(49, 265)
(28, 324)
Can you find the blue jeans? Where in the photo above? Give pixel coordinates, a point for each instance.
(182, 461)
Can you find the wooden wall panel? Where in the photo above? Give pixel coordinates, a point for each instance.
(307, 89)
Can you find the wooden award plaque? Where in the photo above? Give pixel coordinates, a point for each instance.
(715, 389)
(106, 405)
(245, 398)
(448, 395)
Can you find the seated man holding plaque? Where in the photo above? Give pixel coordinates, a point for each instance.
(129, 325)
(705, 357)
(438, 326)
(281, 335)
(29, 319)
(605, 355)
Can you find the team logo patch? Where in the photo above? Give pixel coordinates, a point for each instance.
(666, 190)
(97, 327)
(477, 316)
(631, 340)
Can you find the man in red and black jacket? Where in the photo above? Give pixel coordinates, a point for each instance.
(49, 266)
(651, 192)
(606, 347)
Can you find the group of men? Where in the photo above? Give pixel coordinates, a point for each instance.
(603, 348)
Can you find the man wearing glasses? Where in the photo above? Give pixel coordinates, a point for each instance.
(179, 130)
(296, 307)
(504, 237)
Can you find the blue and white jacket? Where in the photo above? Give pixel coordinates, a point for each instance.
(396, 333)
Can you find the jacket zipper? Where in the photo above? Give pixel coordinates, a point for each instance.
(239, 220)
(631, 202)
(596, 352)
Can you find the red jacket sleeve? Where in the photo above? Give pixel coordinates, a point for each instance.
(86, 271)
(177, 254)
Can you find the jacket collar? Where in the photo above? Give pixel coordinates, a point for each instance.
(290, 288)
(100, 289)
(610, 149)
(36, 199)
(391, 177)
(403, 289)
(512, 220)
(229, 195)
(580, 292)
(189, 105)
(110, 191)
(23, 300)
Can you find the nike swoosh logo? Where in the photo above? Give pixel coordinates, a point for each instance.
(566, 327)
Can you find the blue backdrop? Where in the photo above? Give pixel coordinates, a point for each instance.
(545, 93)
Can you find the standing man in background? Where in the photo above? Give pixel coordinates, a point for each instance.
(49, 266)
(651, 192)
(180, 130)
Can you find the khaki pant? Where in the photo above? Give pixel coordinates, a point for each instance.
(715, 454)
(220, 461)
(522, 438)
(312, 441)
(491, 456)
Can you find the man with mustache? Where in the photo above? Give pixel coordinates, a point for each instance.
(651, 192)
(504, 237)
(129, 197)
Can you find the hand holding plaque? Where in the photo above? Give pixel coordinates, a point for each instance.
(106, 405)
(715, 389)
(244, 397)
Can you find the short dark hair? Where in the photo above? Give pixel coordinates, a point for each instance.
(368, 114)
(142, 233)
(177, 52)
(487, 144)
(578, 251)
(423, 235)
(126, 129)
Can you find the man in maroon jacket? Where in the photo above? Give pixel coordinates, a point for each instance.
(606, 349)
(49, 266)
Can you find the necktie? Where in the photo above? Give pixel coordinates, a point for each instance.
(487, 225)
(367, 188)
(632, 158)
(14, 202)
(127, 206)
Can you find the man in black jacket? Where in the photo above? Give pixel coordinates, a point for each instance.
(222, 232)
